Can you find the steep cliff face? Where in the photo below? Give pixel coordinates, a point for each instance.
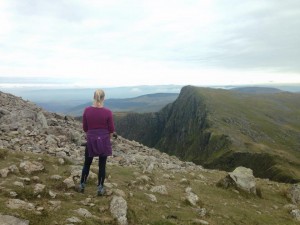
(224, 129)
(181, 128)
(185, 129)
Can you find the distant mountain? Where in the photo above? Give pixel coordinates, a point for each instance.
(144, 103)
(223, 129)
(60, 99)
(257, 90)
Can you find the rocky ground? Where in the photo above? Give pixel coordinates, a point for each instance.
(40, 165)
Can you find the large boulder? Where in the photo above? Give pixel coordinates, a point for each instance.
(241, 178)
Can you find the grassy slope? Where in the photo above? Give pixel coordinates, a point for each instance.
(265, 123)
(224, 206)
(224, 129)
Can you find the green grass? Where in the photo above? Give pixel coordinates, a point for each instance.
(224, 206)
(206, 125)
(265, 123)
(3, 154)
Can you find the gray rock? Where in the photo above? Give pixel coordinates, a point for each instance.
(143, 179)
(54, 205)
(151, 197)
(119, 192)
(149, 168)
(87, 201)
(75, 137)
(56, 177)
(296, 214)
(19, 204)
(19, 184)
(191, 197)
(52, 194)
(69, 182)
(61, 161)
(30, 167)
(73, 220)
(159, 189)
(50, 140)
(198, 221)
(4, 172)
(290, 207)
(39, 188)
(293, 193)
(184, 181)
(41, 120)
(202, 212)
(166, 176)
(242, 178)
(61, 154)
(14, 169)
(13, 194)
(52, 122)
(11, 220)
(3, 112)
(118, 209)
(83, 212)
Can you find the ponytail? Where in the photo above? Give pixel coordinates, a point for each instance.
(99, 96)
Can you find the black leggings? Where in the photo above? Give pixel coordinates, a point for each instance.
(86, 168)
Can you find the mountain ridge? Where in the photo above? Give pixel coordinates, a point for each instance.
(41, 159)
(222, 129)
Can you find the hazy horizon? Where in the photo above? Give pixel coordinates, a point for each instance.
(59, 98)
(31, 83)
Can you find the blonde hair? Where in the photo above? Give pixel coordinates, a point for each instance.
(99, 96)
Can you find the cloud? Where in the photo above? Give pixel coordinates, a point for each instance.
(149, 39)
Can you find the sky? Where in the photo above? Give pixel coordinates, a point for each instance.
(149, 42)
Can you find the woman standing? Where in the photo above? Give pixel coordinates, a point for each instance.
(99, 127)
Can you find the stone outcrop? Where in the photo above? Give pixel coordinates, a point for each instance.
(27, 127)
(220, 129)
(241, 178)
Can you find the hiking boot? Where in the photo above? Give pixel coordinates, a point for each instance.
(81, 187)
(101, 190)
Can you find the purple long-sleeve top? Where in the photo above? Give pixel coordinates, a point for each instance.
(97, 118)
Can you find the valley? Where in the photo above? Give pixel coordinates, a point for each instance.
(223, 129)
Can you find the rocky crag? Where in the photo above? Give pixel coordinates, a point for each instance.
(223, 129)
(40, 164)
